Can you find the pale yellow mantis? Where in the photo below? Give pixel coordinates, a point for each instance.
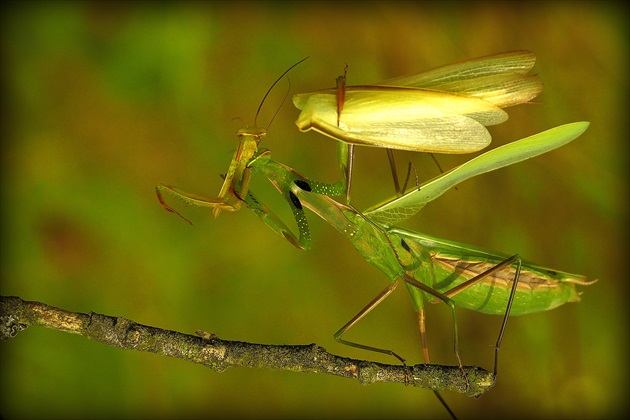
(444, 110)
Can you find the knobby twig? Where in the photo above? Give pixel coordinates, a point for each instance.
(208, 350)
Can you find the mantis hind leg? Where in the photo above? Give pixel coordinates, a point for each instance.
(377, 300)
(362, 313)
(425, 355)
(421, 319)
(502, 265)
(423, 335)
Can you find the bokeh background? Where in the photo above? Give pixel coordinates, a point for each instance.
(101, 102)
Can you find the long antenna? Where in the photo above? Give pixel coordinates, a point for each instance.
(274, 83)
(286, 95)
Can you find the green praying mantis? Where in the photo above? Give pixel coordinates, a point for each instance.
(444, 110)
(432, 268)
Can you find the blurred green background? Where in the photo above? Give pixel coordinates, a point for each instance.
(100, 102)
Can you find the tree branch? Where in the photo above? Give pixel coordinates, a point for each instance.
(208, 350)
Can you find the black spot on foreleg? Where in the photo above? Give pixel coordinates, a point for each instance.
(295, 200)
(303, 184)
